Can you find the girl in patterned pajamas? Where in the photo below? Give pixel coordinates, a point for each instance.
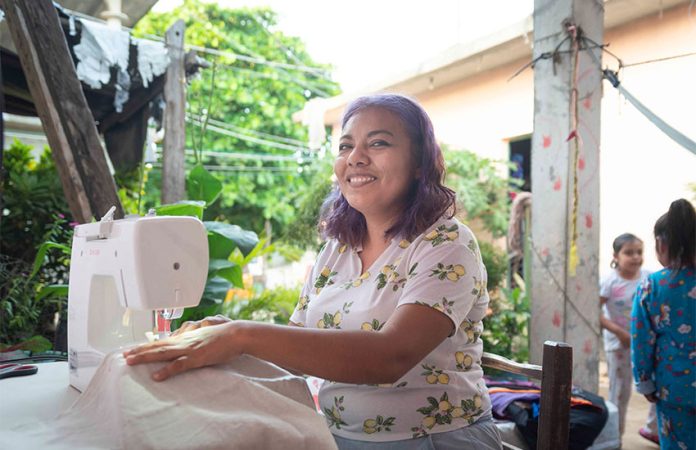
(663, 344)
(616, 296)
(391, 314)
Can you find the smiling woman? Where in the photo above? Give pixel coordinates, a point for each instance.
(391, 313)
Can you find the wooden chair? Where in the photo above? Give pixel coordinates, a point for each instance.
(556, 374)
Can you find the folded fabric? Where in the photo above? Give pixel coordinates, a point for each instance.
(248, 404)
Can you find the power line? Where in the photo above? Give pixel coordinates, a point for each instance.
(243, 169)
(266, 142)
(245, 156)
(277, 76)
(660, 59)
(250, 131)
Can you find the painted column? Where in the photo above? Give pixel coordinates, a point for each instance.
(565, 183)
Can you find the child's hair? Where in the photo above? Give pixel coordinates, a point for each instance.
(618, 244)
(677, 228)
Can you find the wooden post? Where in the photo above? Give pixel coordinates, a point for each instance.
(173, 164)
(554, 407)
(565, 183)
(67, 121)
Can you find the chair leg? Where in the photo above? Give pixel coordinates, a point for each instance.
(554, 410)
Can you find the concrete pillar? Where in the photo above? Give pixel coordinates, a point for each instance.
(565, 184)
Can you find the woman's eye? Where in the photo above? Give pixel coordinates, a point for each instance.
(379, 144)
(343, 147)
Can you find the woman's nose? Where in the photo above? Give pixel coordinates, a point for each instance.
(357, 156)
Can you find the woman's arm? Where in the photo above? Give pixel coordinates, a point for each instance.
(613, 327)
(359, 357)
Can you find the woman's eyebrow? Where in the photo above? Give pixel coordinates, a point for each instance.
(372, 133)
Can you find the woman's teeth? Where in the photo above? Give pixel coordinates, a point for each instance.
(360, 180)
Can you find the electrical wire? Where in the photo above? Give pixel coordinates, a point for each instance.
(245, 169)
(254, 132)
(266, 142)
(277, 76)
(666, 58)
(245, 156)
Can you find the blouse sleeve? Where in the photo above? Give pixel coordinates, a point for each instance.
(449, 277)
(643, 340)
(299, 315)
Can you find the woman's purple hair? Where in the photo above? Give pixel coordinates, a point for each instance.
(428, 198)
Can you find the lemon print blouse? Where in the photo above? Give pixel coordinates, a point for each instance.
(445, 391)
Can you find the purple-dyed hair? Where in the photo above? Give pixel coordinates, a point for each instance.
(428, 198)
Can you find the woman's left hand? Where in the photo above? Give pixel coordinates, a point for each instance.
(201, 347)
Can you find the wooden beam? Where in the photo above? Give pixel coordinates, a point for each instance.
(173, 164)
(67, 121)
(554, 407)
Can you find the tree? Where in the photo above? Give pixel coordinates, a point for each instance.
(240, 111)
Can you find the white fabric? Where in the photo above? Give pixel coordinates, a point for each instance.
(620, 382)
(440, 269)
(248, 404)
(619, 294)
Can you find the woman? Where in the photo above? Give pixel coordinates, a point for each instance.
(392, 312)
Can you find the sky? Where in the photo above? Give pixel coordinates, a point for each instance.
(368, 41)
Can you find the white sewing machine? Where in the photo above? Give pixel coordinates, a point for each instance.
(126, 277)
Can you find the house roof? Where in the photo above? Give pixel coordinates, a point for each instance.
(489, 52)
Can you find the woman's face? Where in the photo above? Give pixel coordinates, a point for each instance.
(375, 167)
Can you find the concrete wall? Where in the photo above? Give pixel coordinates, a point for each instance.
(641, 169)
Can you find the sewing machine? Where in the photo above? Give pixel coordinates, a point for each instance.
(128, 279)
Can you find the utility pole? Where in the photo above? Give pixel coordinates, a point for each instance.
(89, 188)
(565, 182)
(173, 163)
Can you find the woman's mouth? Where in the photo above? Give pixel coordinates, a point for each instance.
(360, 180)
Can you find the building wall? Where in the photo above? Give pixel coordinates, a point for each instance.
(641, 169)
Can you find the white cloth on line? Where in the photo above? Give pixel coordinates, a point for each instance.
(247, 404)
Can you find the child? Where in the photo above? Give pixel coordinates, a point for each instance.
(616, 295)
(663, 329)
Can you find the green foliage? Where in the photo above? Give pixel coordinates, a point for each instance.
(32, 196)
(35, 344)
(481, 189)
(303, 232)
(496, 263)
(36, 212)
(506, 328)
(272, 305)
(244, 98)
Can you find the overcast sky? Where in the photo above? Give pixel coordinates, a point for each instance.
(368, 41)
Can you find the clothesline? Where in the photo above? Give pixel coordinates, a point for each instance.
(321, 72)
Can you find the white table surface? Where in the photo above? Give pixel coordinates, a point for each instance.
(41, 396)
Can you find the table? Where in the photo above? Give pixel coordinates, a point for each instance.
(41, 396)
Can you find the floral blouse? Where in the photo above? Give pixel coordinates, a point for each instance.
(445, 391)
(663, 336)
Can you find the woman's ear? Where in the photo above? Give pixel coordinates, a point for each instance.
(418, 173)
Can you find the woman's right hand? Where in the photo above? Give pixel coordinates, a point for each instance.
(196, 324)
